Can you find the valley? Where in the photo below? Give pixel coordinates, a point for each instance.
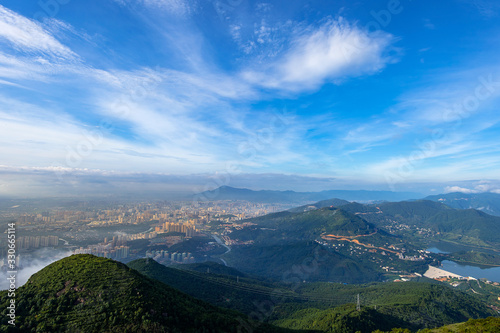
(315, 268)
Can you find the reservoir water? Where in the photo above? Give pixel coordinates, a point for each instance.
(436, 250)
(478, 272)
(490, 273)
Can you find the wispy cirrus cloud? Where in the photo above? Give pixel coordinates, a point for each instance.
(31, 50)
(175, 7)
(487, 8)
(28, 36)
(438, 129)
(458, 103)
(452, 95)
(167, 108)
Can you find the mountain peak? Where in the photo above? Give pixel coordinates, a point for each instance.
(84, 293)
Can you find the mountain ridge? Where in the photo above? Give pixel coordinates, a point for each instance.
(487, 202)
(233, 193)
(84, 293)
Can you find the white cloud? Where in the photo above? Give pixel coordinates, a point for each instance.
(332, 52)
(167, 115)
(264, 38)
(26, 68)
(451, 189)
(179, 7)
(235, 31)
(30, 50)
(28, 36)
(481, 186)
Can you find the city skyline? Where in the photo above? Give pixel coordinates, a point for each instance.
(122, 96)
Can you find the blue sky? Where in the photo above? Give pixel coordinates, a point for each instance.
(304, 95)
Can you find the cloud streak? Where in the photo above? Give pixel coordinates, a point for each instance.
(28, 36)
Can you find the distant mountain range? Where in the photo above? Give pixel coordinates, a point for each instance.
(486, 202)
(268, 196)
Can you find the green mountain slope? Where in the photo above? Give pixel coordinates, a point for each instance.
(222, 290)
(311, 224)
(280, 241)
(280, 261)
(320, 204)
(418, 304)
(486, 325)
(410, 305)
(474, 257)
(468, 227)
(413, 305)
(341, 319)
(83, 293)
(210, 267)
(417, 210)
(470, 223)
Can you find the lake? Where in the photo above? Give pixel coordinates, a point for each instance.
(436, 250)
(490, 273)
(478, 272)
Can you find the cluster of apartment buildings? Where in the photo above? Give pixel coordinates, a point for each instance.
(35, 242)
(136, 213)
(106, 251)
(175, 257)
(188, 229)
